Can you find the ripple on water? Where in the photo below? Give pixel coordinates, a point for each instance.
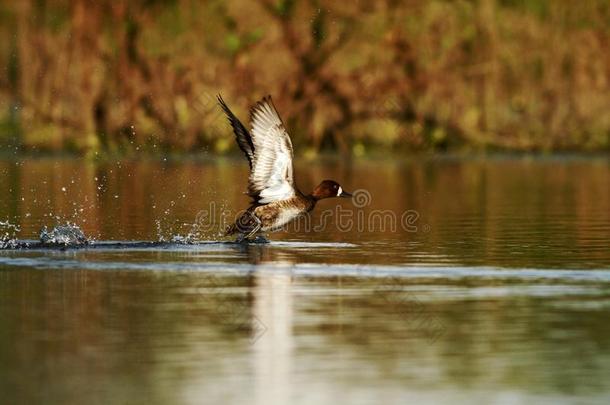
(40, 259)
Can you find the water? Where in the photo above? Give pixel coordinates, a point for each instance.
(492, 285)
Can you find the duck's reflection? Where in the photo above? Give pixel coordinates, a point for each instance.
(267, 255)
(272, 324)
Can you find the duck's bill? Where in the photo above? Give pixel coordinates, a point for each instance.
(345, 194)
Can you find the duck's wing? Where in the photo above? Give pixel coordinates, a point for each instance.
(271, 177)
(242, 136)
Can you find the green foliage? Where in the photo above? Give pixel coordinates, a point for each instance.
(236, 42)
(9, 132)
(285, 8)
(539, 8)
(317, 27)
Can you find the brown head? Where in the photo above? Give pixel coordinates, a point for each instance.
(329, 189)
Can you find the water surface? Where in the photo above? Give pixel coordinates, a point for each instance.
(448, 281)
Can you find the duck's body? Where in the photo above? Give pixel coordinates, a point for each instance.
(276, 200)
(272, 216)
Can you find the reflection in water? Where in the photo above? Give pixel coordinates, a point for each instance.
(272, 339)
(271, 325)
(503, 298)
(262, 331)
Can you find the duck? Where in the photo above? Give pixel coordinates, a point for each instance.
(276, 199)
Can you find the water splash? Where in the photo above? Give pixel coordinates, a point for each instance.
(192, 236)
(8, 235)
(160, 234)
(184, 240)
(63, 235)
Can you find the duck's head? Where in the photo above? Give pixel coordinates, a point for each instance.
(329, 189)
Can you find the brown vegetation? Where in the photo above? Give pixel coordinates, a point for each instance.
(141, 75)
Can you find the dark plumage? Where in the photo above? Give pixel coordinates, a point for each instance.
(242, 136)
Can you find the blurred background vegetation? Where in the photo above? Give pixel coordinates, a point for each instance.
(355, 77)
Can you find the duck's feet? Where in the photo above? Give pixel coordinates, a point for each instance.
(260, 239)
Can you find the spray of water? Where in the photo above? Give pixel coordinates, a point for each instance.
(63, 235)
(8, 235)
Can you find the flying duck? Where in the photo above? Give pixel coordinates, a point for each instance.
(276, 200)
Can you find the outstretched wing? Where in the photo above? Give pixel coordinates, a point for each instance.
(271, 177)
(242, 136)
